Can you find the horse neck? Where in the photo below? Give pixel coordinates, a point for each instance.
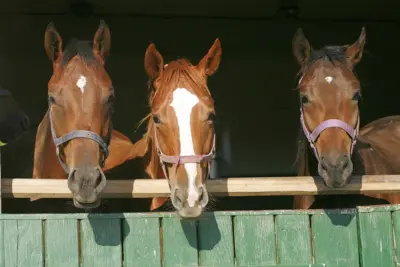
(46, 164)
(302, 159)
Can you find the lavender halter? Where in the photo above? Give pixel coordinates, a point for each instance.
(332, 123)
(183, 159)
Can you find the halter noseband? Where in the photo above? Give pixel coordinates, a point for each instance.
(183, 159)
(332, 123)
(58, 141)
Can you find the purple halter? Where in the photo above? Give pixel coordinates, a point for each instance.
(183, 159)
(332, 123)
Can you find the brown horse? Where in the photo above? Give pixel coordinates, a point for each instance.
(75, 139)
(329, 115)
(180, 139)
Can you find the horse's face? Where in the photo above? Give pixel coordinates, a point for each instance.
(80, 91)
(183, 124)
(329, 95)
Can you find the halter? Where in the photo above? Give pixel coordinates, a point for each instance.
(58, 141)
(332, 123)
(183, 159)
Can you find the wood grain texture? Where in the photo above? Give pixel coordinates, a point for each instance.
(30, 243)
(335, 240)
(396, 232)
(142, 242)
(215, 238)
(10, 242)
(61, 243)
(179, 243)
(376, 239)
(293, 238)
(260, 186)
(101, 242)
(255, 240)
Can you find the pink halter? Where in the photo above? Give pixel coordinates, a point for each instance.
(332, 123)
(177, 160)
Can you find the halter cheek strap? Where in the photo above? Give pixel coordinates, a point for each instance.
(332, 123)
(58, 141)
(177, 160)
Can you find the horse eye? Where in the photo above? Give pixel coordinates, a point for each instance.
(304, 99)
(211, 117)
(51, 99)
(357, 96)
(156, 119)
(111, 98)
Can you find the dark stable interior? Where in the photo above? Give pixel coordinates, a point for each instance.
(257, 106)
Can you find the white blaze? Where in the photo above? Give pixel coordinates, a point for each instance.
(81, 83)
(328, 79)
(183, 102)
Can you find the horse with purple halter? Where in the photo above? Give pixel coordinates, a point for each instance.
(330, 119)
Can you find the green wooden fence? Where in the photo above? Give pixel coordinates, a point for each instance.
(364, 237)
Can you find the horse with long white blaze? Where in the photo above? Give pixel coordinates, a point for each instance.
(75, 139)
(180, 139)
(329, 115)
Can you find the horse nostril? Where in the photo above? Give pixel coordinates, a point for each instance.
(100, 181)
(344, 162)
(323, 164)
(201, 195)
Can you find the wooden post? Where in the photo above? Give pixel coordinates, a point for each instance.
(261, 186)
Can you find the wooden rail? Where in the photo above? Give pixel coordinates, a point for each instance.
(145, 188)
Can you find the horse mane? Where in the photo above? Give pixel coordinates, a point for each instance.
(329, 53)
(83, 49)
(171, 75)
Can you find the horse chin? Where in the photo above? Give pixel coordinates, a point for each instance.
(87, 206)
(191, 213)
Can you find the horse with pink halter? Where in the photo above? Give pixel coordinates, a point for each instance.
(330, 119)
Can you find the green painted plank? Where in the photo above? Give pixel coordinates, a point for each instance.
(82, 216)
(11, 242)
(290, 265)
(284, 265)
(376, 239)
(254, 240)
(61, 243)
(101, 242)
(142, 242)
(396, 228)
(2, 255)
(216, 241)
(293, 238)
(29, 243)
(179, 242)
(335, 240)
(10, 234)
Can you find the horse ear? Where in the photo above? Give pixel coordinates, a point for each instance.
(102, 40)
(52, 42)
(153, 62)
(301, 47)
(354, 52)
(210, 62)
